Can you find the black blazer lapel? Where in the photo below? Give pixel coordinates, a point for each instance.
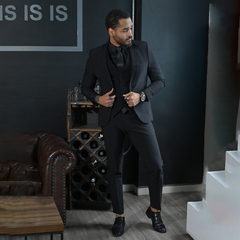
(132, 51)
(102, 70)
(102, 63)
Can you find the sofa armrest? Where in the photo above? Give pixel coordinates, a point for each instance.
(55, 159)
(50, 146)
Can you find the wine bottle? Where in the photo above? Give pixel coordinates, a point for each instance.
(92, 162)
(100, 136)
(93, 180)
(85, 135)
(101, 153)
(93, 144)
(102, 170)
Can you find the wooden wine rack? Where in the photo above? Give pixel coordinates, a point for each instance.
(88, 182)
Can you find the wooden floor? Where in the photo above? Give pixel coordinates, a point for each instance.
(96, 224)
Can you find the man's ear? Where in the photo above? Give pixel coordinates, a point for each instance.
(111, 32)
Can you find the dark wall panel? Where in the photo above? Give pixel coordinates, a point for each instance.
(34, 84)
(177, 32)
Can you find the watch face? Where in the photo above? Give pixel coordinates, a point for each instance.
(143, 97)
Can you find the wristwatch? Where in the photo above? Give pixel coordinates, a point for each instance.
(143, 96)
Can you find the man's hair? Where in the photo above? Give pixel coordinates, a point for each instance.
(113, 17)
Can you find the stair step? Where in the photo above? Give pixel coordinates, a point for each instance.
(232, 164)
(217, 179)
(202, 226)
(224, 179)
(200, 206)
(221, 186)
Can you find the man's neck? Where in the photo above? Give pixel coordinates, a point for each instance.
(113, 42)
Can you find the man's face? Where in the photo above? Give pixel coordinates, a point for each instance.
(122, 35)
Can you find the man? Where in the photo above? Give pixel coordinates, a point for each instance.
(121, 67)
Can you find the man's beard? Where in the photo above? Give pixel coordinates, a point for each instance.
(124, 43)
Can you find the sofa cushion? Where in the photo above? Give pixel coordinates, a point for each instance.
(5, 168)
(20, 188)
(13, 170)
(22, 171)
(19, 178)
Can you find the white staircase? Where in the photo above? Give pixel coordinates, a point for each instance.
(217, 217)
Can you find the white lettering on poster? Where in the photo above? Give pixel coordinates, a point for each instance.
(33, 13)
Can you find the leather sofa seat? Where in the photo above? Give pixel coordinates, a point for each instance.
(19, 179)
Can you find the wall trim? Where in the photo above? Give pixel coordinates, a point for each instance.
(166, 189)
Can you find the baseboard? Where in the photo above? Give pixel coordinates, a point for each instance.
(166, 189)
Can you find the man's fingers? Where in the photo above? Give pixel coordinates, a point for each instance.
(110, 92)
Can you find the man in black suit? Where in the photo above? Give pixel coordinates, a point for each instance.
(122, 67)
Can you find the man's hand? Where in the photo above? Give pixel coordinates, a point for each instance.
(106, 100)
(132, 98)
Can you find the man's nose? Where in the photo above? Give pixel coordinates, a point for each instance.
(130, 33)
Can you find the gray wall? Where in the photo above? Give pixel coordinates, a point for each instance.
(34, 84)
(177, 32)
(222, 83)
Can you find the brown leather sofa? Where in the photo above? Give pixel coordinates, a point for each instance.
(36, 165)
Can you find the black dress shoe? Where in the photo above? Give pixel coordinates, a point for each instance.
(157, 222)
(118, 226)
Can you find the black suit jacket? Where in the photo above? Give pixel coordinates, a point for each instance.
(143, 64)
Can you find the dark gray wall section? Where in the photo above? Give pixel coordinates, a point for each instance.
(33, 85)
(177, 32)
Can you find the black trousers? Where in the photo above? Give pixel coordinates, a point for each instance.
(144, 139)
